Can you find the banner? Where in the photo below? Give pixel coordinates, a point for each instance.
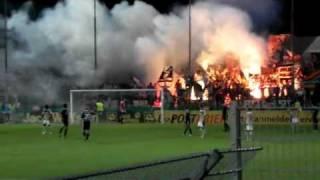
(278, 116)
(177, 116)
(214, 117)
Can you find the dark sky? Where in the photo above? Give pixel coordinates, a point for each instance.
(305, 16)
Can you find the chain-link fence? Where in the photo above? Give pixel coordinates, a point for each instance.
(291, 147)
(212, 165)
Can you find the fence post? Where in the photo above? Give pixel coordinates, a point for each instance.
(162, 106)
(235, 134)
(71, 108)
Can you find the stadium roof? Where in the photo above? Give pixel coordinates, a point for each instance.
(314, 47)
(300, 44)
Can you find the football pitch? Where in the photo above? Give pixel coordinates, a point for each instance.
(26, 153)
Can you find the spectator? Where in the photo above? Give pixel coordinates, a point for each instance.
(6, 111)
(178, 87)
(150, 86)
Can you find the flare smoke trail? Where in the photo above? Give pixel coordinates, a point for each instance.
(55, 52)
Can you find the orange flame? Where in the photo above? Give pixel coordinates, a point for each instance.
(230, 66)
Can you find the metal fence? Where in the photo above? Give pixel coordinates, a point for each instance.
(212, 165)
(291, 149)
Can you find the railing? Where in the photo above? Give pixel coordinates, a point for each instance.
(195, 166)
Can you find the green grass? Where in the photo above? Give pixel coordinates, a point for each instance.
(25, 153)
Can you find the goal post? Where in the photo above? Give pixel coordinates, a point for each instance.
(94, 93)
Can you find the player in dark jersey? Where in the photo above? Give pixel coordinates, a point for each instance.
(122, 110)
(65, 120)
(187, 122)
(225, 109)
(86, 117)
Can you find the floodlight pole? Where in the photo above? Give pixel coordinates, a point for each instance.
(5, 36)
(95, 34)
(190, 33)
(292, 42)
(6, 81)
(189, 71)
(292, 25)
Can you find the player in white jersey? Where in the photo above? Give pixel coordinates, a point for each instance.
(249, 124)
(201, 123)
(294, 115)
(46, 117)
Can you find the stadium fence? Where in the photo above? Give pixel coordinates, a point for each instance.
(215, 164)
(291, 150)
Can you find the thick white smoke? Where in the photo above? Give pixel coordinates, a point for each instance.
(55, 52)
(225, 30)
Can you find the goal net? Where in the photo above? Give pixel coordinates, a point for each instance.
(118, 105)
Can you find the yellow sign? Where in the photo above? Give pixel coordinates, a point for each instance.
(177, 116)
(214, 117)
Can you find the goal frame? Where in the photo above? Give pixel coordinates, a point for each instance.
(72, 91)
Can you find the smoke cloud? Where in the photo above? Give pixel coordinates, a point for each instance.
(54, 53)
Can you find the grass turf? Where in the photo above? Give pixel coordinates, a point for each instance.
(25, 153)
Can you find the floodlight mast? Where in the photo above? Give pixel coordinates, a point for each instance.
(6, 81)
(292, 43)
(95, 34)
(189, 71)
(6, 36)
(190, 39)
